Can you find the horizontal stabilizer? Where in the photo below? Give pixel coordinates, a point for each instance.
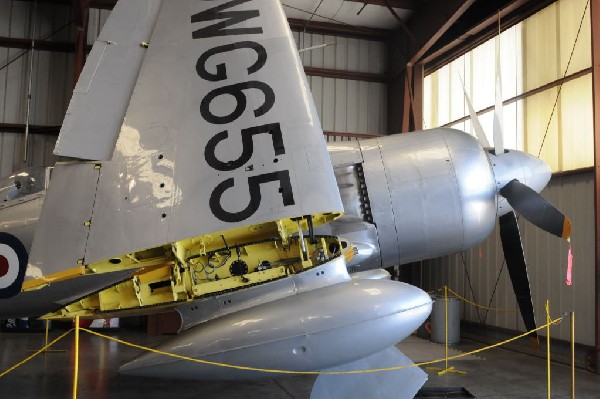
(397, 384)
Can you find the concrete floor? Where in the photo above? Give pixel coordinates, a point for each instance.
(501, 374)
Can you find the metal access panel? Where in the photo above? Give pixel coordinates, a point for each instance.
(61, 237)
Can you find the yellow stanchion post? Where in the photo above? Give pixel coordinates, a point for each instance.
(76, 366)
(446, 325)
(446, 369)
(572, 355)
(548, 342)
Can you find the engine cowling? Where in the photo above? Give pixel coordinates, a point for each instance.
(414, 196)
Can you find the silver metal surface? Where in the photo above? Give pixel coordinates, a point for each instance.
(198, 312)
(62, 234)
(313, 330)
(364, 237)
(357, 223)
(101, 96)
(381, 202)
(445, 324)
(345, 153)
(349, 185)
(441, 186)
(21, 198)
(398, 384)
(375, 274)
(20, 218)
(519, 165)
(430, 193)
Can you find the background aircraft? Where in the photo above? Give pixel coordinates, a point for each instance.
(200, 182)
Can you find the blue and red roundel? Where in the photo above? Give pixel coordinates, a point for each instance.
(13, 262)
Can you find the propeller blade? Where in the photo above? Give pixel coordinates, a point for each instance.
(475, 119)
(517, 269)
(498, 115)
(536, 209)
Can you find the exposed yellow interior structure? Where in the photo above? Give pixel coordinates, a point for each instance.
(204, 266)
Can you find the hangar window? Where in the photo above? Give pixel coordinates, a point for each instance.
(534, 57)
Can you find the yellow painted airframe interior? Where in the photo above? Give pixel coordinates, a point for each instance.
(199, 267)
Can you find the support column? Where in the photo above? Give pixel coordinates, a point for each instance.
(595, 16)
(412, 115)
(397, 105)
(418, 78)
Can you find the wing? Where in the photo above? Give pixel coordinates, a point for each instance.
(97, 108)
(220, 135)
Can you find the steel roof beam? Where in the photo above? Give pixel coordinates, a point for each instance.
(342, 30)
(41, 45)
(403, 4)
(477, 25)
(33, 129)
(429, 24)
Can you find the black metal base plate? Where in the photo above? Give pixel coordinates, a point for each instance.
(443, 393)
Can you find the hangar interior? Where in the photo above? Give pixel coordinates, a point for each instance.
(383, 67)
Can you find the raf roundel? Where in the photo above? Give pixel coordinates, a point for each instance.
(13, 262)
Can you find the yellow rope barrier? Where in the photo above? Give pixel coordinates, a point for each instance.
(431, 292)
(480, 306)
(277, 371)
(35, 354)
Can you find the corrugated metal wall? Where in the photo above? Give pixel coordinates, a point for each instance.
(52, 80)
(547, 262)
(347, 105)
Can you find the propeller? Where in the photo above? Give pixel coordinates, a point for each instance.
(517, 269)
(536, 209)
(522, 196)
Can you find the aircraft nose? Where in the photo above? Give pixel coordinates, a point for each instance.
(519, 165)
